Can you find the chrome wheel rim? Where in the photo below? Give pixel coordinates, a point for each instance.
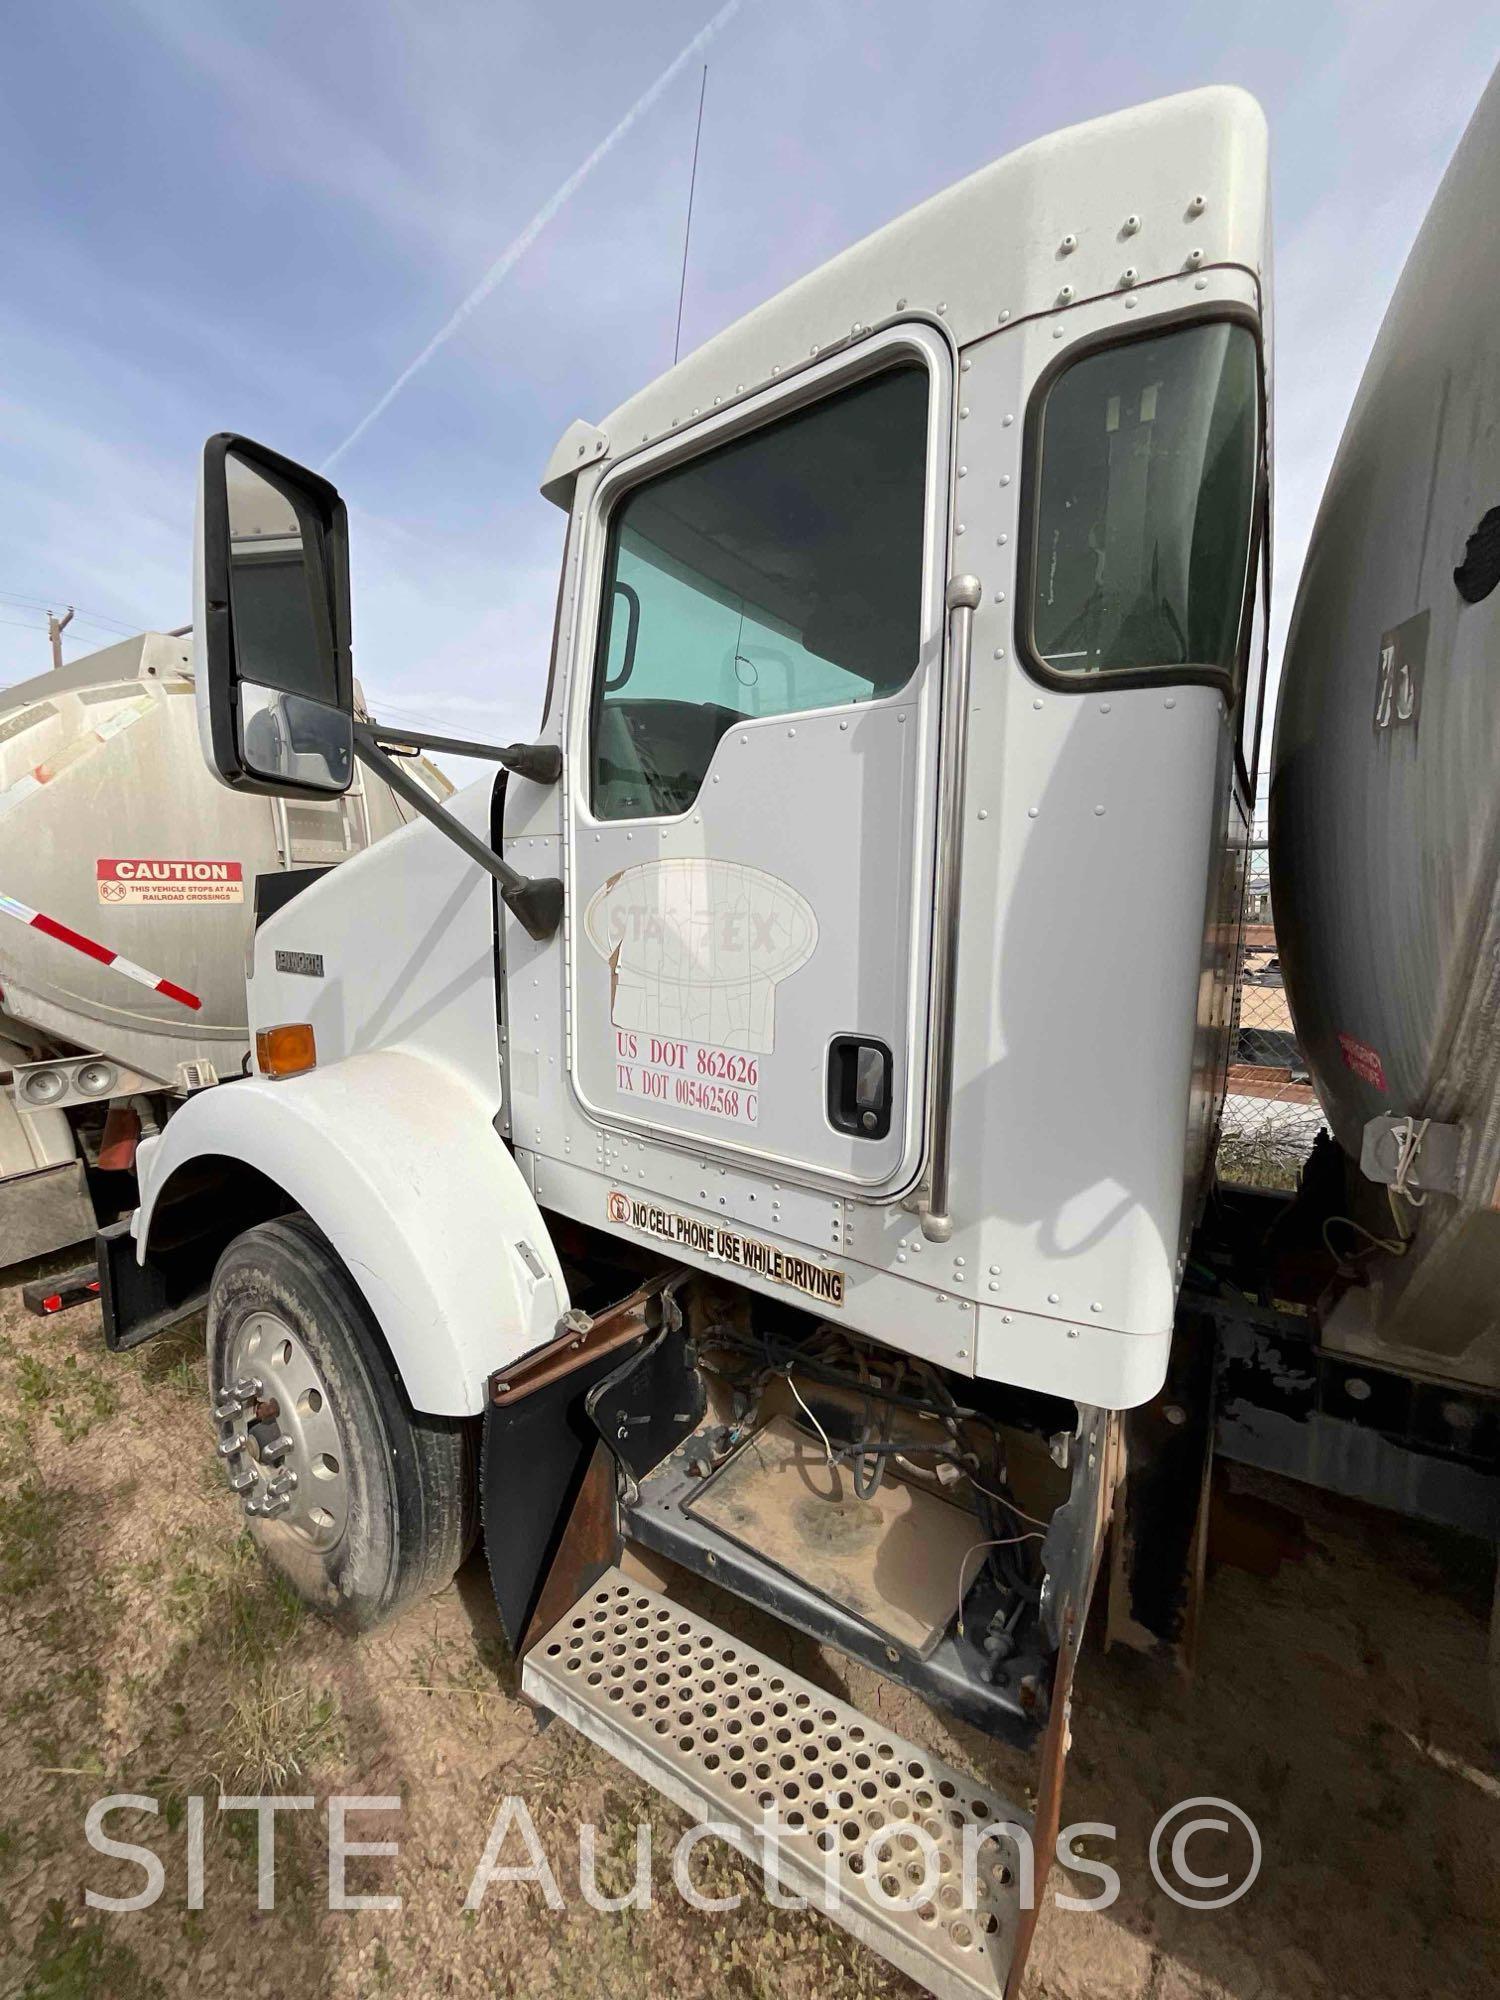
(277, 1436)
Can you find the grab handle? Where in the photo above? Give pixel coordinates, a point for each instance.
(962, 599)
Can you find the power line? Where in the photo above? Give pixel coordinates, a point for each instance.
(415, 719)
(84, 617)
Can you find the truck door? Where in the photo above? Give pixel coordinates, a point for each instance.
(753, 735)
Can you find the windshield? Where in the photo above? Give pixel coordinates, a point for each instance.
(1145, 485)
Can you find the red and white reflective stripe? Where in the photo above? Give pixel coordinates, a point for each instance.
(50, 927)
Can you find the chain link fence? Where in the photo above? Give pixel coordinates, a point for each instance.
(1271, 1113)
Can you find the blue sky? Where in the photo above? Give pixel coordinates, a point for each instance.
(253, 216)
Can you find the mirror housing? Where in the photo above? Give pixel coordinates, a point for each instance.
(271, 630)
(274, 670)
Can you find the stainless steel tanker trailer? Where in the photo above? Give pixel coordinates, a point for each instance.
(1372, 1361)
(118, 855)
(1354, 1325)
(1385, 812)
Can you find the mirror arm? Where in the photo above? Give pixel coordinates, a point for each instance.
(537, 904)
(541, 762)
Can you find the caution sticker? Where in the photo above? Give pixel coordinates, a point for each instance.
(823, 1282)
(123, 879)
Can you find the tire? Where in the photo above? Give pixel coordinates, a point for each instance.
(382, 1502)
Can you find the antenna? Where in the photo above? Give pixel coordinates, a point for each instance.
(687, 234)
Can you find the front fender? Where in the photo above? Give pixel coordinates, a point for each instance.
(396, 1160)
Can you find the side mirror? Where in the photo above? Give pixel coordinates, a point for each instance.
(275, 678)
(275, 681)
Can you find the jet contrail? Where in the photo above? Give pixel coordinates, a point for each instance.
(506, 262)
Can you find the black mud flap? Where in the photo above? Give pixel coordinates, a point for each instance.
(142, 1300)
(546, 1484)
(646, 1407)
(1161, 1531)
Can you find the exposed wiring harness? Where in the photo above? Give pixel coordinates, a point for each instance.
(1408, 1134)
(896, 1383)
(827, 1447)
(1015, 1611)
(1397, 1245)
(870, 1450)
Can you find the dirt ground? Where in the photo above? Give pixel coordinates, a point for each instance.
(1340, 1701)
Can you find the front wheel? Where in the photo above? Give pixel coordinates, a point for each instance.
(359, 1502)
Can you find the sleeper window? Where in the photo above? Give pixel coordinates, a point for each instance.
(1144, 478)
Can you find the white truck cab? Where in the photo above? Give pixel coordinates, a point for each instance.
(764, 1125)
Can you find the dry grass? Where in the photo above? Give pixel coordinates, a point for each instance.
(1262, 1158)
(143, 1648)
(276, 1732)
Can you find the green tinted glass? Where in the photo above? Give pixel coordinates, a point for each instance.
(778, 573)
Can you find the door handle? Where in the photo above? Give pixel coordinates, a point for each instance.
(962, 599)
(860, 1086)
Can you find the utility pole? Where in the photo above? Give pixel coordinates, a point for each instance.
(55, 627)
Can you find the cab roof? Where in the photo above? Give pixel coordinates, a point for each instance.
(1127, 200)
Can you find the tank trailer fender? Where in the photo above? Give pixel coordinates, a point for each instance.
(397, 1161)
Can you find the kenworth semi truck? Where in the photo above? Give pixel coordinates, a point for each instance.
(754, 1143)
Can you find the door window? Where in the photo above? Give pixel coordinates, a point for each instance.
(1144, 473)
(777, 573)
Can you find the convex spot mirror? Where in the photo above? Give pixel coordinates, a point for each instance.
(271, 627)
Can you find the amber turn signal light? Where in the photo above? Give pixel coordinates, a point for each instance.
(287, 1050)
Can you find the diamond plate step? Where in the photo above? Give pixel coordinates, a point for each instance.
(726, 1734)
